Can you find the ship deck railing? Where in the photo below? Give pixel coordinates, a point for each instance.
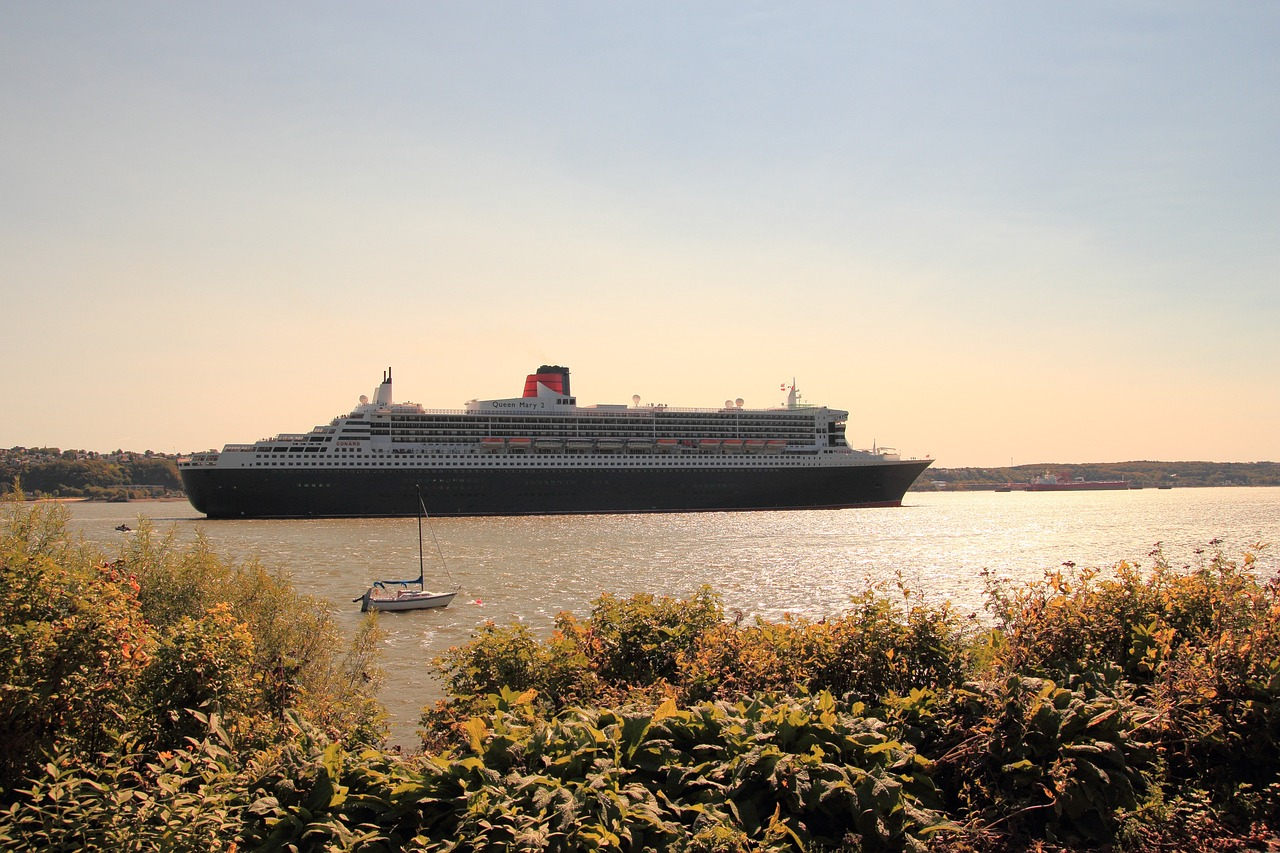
(596, 410)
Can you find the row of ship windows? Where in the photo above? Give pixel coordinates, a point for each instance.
(573, 426)
(610, 431)
(589, 423)
(266, 454)
(688, 454)
(607, 429)
(647, 462)
(579, 426)
(463, 421)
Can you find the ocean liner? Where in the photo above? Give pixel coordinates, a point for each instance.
(542, 453)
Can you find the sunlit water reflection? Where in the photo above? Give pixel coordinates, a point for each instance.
(762, 563)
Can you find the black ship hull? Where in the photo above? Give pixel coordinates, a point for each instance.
(380, 492)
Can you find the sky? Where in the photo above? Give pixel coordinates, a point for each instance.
(995, 232)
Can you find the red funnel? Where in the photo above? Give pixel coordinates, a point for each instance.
(553, 376)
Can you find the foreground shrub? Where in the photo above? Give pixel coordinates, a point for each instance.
(1200, 645)
(1075, 619)
(626, 647)
(293, 659)
(514, 657)
(199, 663)
(640, 640)
(129, 798)
(72, 643)
(91, 646)
(1047, 761)
(772, 772)
(887, 643)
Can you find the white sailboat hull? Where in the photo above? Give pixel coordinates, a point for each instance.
(375, 599)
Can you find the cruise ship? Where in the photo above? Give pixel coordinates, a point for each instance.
(542, 453)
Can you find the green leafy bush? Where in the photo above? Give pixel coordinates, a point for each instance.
(72, 643)
(130, 798)
(91, 646)
(1200, 645)
(879, 648)
(640, 640)
(1053, 762)
(625, 647)
(773, 772)
(200, 663)
(293, 660)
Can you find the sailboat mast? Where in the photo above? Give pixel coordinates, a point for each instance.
(421, 565)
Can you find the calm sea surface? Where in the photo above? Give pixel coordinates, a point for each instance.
(763, 563)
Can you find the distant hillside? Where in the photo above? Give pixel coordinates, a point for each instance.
(120, 475)
(1148, 475)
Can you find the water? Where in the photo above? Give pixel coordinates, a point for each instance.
(762, 563)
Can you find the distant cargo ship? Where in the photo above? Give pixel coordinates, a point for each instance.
(1049, 482)
(542, 453)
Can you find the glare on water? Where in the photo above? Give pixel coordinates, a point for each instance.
(529, 569)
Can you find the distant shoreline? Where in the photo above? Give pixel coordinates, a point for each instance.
(95, 501)
(1139, 474)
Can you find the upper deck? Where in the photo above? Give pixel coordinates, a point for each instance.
(547, 420)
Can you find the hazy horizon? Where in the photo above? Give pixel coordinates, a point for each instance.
(991, 231)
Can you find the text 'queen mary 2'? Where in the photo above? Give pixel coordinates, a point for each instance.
(542, 453)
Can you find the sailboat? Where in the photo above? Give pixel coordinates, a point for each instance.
(407, 594)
